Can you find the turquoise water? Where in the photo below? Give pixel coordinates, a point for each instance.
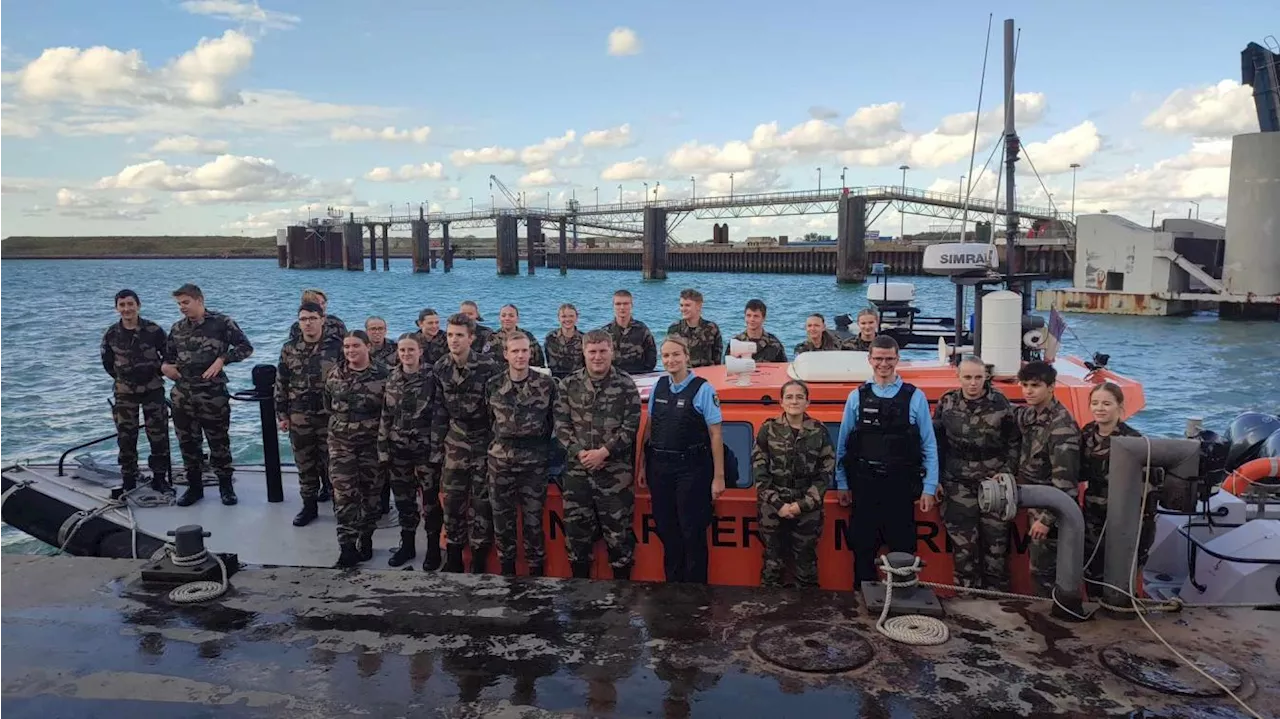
(53, 392)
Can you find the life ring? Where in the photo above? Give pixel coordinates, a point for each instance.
(1249, 472)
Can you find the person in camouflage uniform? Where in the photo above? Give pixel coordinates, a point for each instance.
(461, 428)
(521, 404)
(768, 347)
(597, 418)
(198, 347)
(430, 337)
(564, 345)
(977, 439)
(353, 396)
(485, 338)
(792, 462)
(509, 326)
(333, 326)
(706, 347)
(817, 337)
(408, 406)
(634, 350)
(1106, 404)
(868, 323)
(304, 365)
(1049, 454)
(381, 350)
(132, 352)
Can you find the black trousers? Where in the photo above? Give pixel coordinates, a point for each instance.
(883, 514)
(680, 489)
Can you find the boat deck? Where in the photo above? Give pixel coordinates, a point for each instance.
(81, 637)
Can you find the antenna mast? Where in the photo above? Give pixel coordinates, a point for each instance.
(1013, 252)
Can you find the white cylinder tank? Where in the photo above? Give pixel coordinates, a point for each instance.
(1252, 260)
(1002, 331)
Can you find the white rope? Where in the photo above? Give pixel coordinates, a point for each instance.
(910, 629)
(20, 484)
(195, 592)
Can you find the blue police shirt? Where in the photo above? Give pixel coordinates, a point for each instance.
(920, 417)
(705, 401)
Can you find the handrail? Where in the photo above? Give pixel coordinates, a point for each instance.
(90, 443)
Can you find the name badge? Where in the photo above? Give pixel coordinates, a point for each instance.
(680, 403)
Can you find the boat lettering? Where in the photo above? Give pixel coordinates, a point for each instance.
(964, 258)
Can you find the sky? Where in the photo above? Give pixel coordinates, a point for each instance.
(206, 117)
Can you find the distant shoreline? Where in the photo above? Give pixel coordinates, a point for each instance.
(143, 257)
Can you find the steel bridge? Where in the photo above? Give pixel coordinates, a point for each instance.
(623, 219)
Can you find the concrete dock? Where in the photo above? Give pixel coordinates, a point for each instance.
(82, 637)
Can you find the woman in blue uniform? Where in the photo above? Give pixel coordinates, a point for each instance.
(684, 463)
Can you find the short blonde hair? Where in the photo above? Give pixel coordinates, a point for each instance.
(679, 340)
(314, 295)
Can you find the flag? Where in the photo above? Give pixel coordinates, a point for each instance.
(1057, 326)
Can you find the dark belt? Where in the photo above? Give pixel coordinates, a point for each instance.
(524, 442)
(672, 454)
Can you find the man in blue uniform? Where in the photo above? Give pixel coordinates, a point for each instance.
(887, 455)
(684, 456)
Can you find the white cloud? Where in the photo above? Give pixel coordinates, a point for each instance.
(99, 206)
(189, 145)
(226, 179)
(1220, 110)
(104, 76)
(740, 183)
(619, 136)
(624, 41)
(1058, 152)
(636, 169)
(449, 194)
(70, 198)
(1203, 173)
(355, 133)
(406, 173)
(538, 178)
(280, 217)
(19, 121)
(19, 186)
(544, 152)
(241, 12)
(485, 156)
(734, 156)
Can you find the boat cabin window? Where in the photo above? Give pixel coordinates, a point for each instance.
(738, 440)
(833, 431)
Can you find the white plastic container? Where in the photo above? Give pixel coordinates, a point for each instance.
(891, 292)
(1002, 332)
(831, 366)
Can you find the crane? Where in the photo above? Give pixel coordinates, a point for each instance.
(513, 199)
(1261, 69)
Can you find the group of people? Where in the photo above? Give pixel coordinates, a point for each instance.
(458, 425)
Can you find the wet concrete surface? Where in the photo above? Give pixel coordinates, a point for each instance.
(81, 637)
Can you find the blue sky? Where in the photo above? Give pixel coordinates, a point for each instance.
(220, 116)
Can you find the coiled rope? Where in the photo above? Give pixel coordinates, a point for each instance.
(195, 592)
(912, 629)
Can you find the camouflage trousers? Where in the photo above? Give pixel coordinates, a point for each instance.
(357, 487)
(518, 486)
(409, 475)
(1095, 519)
(156, 414)
(468, 514)
(199, 414)
(800, 535)
(309, 437)
(979, 543)
(600, 503)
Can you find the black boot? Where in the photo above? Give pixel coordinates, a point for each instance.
(479, 558)
(227, 490)
(432, 562)
(508, 567)
(453, 562)
(535, 570)
(349, 557)
(385, 507)
(407, 550)
(309, 512)
(622, 573)
(581, 570)
(160, 482)
(193, 493)
(326, 490)
(366, 546)
(128, 484)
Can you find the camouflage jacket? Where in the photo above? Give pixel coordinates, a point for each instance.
(564, 356)
(791, 465)
(408, 405)
(385, 355)
(462, 408)
(1095, 456)
(483, 342)
(634, 350)
(193, 346)
(768, 348)
(301, 374)
(354, 403)
(857, 344)
(1049, 452)
(524, 409)
(536, 358)
(133, 357)
(433, 348)
(977, 438)
(829, 343)
(333, 327)
(598, 412)
(706, 347)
